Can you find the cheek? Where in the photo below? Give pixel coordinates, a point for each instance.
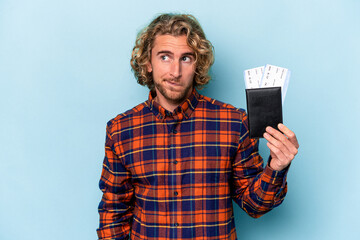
(161, 70)
(190, 71)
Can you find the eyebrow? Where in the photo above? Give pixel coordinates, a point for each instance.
(169, 52)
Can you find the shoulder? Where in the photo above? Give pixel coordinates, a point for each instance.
(123, 118)
(210, 103)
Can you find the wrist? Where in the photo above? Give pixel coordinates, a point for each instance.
(275, 165)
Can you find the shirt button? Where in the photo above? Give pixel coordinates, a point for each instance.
(176, 193)
(176, 224)
(175, 162)
(174, 131)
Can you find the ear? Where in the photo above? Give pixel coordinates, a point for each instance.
(149, 67)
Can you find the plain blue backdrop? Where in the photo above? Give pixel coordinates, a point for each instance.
(64, 72)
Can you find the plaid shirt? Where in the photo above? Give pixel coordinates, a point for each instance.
(174, 175)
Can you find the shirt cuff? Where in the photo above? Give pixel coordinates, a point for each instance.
(273, 176)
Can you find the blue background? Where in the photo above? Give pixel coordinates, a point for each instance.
(64, 72)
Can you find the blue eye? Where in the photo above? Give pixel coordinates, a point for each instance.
(164, 57)
(186, 59)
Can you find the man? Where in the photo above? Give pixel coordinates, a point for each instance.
(174, 163)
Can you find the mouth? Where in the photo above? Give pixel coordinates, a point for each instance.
(173, 83)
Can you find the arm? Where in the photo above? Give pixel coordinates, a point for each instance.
(256, 190)
(115, 208)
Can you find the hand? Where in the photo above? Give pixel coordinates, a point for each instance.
(283, 146)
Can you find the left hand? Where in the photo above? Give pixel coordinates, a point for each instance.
(283, 146)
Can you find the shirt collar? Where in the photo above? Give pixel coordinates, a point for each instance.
(183, 111)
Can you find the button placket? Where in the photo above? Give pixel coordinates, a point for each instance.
(175, 205)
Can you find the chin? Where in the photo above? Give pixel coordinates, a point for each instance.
(176, 98)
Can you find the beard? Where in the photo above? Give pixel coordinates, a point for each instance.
(172, 94)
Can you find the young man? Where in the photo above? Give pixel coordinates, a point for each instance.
(174, 163)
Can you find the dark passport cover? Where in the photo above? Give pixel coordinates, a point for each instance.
(264, 109)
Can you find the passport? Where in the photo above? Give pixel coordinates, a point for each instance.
(264, 109)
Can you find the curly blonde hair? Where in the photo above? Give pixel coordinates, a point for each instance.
(175, 25)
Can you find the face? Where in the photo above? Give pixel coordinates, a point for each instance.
(173, 68)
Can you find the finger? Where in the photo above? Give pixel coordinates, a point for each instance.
(288, 151)
(278, 161)
(283, 139)
(278, 154)
(290, 134)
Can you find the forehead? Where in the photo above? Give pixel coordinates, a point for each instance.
(176, 44)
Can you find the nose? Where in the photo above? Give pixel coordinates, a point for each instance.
(175, 69)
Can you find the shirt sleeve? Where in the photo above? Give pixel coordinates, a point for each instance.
(256, 189)
(116, 206)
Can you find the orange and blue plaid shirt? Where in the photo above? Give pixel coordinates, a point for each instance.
(173, 175)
